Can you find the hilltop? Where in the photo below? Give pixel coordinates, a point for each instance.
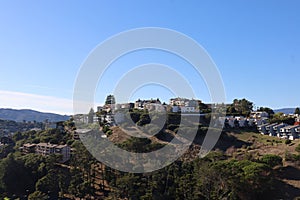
(285, 110)
(30, 115)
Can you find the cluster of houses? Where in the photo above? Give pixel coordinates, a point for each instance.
(182, 105)
(178, 104)
(260, 120)
(281, 130)
(255, 119)
(46, 149)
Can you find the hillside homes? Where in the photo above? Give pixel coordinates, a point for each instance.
(184, 105)
(281, 130)
(255, 119)
(151, 105)
(46, 149)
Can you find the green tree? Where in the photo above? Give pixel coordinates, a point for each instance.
(281, 118)
(38, 195)
(144, 119)
(268, 110)
(240, 107)
(14, 177)
(110, 99)
(91, 116)
(49, 184)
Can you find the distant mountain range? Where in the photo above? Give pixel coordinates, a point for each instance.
(30, 115)
(285, 110)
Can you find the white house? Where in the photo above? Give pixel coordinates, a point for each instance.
(262, 129)
(290, 132)
(276, 129)
(270, 130)
(259, 115)
(185, 109)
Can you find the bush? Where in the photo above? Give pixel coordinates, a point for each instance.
(108, 133)
(287, 141)
(271, 160)
(105, 129)
(298, 148)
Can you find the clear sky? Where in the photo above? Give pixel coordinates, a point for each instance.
(255, 44)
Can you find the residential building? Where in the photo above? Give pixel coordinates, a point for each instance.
(142, 104)
(154, 107)
(124, 106)
(46, 149)
(28, 148)
(270, 130)
(276, 129)
(259, 115)
(290, 132)
(262, 129)
(184, 105)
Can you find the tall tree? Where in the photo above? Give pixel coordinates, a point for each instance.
(91, 116)
(266, 109)
(241, 107)
(297, 111)
(110, 99)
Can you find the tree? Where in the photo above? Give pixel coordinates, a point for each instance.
(48, 184)
(38, 195)
(12, 170)
(91, 116)
(110, 99)
(266, 109)
(281, 118)
(297, 111)
(144, 119)
(240, 107)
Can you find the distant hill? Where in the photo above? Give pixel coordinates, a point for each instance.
(30, 115)
(285, 110)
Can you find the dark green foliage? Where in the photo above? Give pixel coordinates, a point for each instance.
(240, 107)
(271, 160)
(281, 118)
(110, 99)
(292, 157)
(268, 110)
(210, 178)
(38, 195)
(144, 119)
(14, 177)
(140, 145)
(297, 111)
(287, 141)
(298, 148)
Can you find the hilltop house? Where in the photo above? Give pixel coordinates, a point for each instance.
(184, 105)
(151, 105)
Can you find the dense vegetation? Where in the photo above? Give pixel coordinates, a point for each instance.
(9, 126)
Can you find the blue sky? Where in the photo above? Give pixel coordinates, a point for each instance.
(255, 45)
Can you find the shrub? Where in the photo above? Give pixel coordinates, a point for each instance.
(287, 141)
(271, 160)
(298, 148)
